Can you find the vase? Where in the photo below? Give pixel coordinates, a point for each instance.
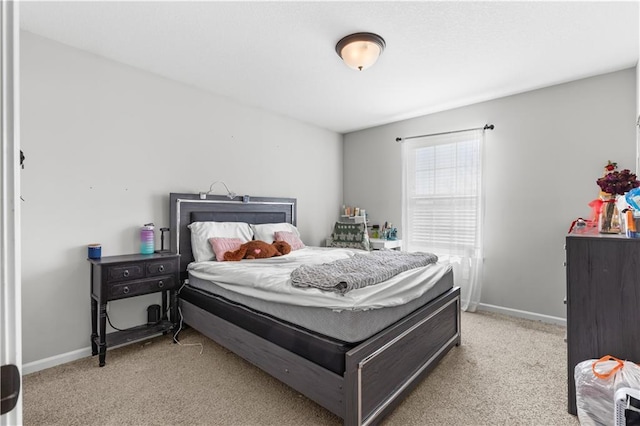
(609, 218)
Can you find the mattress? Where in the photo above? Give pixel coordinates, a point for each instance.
(349, 319)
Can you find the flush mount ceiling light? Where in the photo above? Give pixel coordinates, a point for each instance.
(360, 50)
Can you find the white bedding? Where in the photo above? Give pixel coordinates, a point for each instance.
(270, 279)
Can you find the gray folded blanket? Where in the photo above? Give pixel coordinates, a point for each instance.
(359, 271)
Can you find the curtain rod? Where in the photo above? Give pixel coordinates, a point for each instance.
(486, 127)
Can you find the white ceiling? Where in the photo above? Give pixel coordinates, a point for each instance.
(280, 56)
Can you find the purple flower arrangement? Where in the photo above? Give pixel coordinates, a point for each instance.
(618, 183)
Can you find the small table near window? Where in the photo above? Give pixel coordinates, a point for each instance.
(380, 244)
(377, 244)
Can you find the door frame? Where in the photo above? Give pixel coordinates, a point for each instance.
(10, 274)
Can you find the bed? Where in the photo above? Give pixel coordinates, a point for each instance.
(359, 374)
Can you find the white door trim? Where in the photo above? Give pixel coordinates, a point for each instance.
(10, 287)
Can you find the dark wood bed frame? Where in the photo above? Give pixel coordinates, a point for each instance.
(379, 372)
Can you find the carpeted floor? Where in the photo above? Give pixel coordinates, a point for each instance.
(507, 371)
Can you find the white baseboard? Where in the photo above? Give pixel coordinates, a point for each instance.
(522, 314)
(42, 364)
(53, 361)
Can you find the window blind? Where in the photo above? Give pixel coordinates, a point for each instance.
(442, 193)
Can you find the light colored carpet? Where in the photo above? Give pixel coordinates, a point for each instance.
(507, 371)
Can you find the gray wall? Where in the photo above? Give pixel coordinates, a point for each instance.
(105, 145)
(541, 163)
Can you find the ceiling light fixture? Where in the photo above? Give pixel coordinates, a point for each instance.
(360, 50)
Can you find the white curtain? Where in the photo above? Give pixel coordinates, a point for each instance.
(443, 206)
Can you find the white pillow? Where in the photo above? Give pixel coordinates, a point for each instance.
(265, 231)
(202, 231)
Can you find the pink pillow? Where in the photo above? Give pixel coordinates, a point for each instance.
(289, 237)
(222, 245)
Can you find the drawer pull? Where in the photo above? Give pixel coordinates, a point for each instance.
(161, 268)
(125, 290)
(125, 273)
(160, 284)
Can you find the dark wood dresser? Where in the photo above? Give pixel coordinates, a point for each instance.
(603, 301)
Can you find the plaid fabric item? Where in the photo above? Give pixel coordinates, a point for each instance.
(350, 235)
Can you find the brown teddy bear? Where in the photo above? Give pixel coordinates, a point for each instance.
(257, 249)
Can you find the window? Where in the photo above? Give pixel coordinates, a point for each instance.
(442, 201)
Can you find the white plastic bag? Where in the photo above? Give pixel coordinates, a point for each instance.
(596, 383)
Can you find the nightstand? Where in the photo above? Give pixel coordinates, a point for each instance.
(120, 277)
(380, 244)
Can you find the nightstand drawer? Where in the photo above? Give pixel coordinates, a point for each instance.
(134, 288)
(128, 272)
(161, 268)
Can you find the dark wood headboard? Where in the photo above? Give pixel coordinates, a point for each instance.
(187, 208)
